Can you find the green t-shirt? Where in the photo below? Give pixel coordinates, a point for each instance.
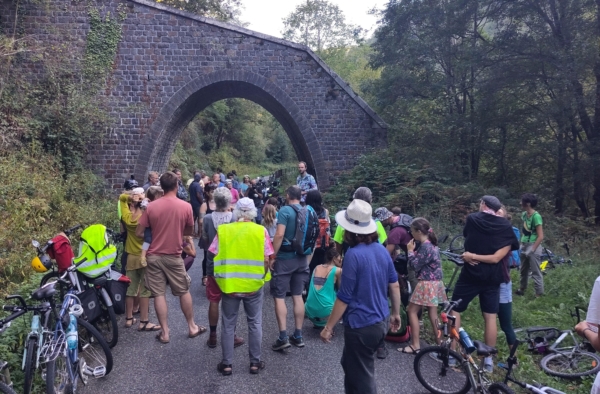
(287, 217)
(529, 226)
(339, 233)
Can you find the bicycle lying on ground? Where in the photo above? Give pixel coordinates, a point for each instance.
(536, 388)
(565, 361)
(442, 370)
(550, 260)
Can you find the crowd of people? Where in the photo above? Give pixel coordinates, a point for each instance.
(351, 276)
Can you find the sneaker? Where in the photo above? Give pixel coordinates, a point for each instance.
(382, 352)
(298, 342)
(281, 344)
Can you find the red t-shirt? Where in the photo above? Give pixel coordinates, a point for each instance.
(167, 217)
(399, 236)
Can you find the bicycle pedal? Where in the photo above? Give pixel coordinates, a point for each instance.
(96, 372)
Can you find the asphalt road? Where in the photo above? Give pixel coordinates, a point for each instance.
(143, 365)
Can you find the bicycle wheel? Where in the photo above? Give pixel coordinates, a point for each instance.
(571, 365)
(457, 245)
(94, 349)
(30, 362)
(107, 325)
(5, 389)
(434, 374)
(62, 288)
(57, 376)
(499, 388)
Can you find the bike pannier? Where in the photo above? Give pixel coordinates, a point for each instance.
(91, 304)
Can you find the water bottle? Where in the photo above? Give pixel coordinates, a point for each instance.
(72, 336)
(466, 341)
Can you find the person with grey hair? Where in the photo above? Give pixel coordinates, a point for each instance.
(364, 194)
(243, 252)
(210, 224)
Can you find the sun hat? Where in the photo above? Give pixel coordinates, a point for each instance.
(245, 204)
(492, 202)
(357, 218)
(382, 213)
(138, 190)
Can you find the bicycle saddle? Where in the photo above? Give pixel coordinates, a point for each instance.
(44, 292)
(483, 349)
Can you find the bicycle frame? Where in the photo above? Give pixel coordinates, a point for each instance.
(38, 331)
(71, 354)
(569, 349)
(5, 374)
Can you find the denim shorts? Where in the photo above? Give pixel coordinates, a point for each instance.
(506, 293)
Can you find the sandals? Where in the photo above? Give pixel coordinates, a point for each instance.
(160, 339)
(144, 326)
(413, 351)
(130, 321)
(201, 330)
(255, 368)
(225, 369)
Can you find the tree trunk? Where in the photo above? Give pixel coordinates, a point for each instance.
(578, 193)
(559, 189)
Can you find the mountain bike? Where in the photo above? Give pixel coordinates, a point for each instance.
(536, 388)
(570, 361)
(37, 337)
(550, 260)
(453, 254)
(72, 358)
(102, 313)
(442, 370)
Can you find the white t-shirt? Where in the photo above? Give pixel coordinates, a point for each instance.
(593, 316)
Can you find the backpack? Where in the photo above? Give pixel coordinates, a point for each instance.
(324, 236)
(96, 253)
(306, 232)
(403, 221)
(514, 259)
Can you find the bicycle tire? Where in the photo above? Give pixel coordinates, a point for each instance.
(107, 325)
(62, 288)
(6, 389)
(457, 245)
(500, 388)
(57, 368)
(30, 362)
(569, 364)
(92, 346)
(427, 362)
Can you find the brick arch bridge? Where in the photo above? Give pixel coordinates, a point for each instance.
(171, 64)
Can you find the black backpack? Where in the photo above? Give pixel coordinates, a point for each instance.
(404, 221)
(306, 232)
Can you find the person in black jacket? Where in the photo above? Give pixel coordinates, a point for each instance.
(488, 239)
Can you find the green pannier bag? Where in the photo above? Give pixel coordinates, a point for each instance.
(96, 253)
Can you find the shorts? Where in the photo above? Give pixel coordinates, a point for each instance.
(489, 296)
(289, 274)
(213, 291)
(137, 286)
(506, 293)
(166, 268)
(196, 211)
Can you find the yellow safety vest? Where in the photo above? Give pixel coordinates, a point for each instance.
(240, 264)
(96, 253)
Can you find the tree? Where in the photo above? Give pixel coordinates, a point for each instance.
(224, 10)
(319, 25)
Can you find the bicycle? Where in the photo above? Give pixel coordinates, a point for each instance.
(90, 355)
(433, 365)
(6, 383)
(105, 318)
(36, 338)
(550, 260)
(537, 388)
(571, 361)
(454, 254)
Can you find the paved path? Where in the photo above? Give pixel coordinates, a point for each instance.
(143, 365)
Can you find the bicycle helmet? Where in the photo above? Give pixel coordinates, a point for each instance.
(130, 184)
(41, 265)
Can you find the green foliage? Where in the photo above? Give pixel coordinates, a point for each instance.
(37, 201)
(233, 134)
(224, 10)
(101, 47)
(320, 25)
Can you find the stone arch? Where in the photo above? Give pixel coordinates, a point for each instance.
(192, 98)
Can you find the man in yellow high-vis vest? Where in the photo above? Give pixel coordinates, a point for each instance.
(243, 251)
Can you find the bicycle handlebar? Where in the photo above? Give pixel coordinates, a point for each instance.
(449, 305)
(453, 257)
(72, 229)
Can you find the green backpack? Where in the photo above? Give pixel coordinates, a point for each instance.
(96, 253)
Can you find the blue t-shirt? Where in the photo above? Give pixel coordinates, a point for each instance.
(368, 271)
(287, 217)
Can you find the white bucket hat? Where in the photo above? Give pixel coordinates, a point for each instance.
(357, 218)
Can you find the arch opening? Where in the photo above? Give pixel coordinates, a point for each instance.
(199, 94)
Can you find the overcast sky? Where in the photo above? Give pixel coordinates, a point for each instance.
(265, 16)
